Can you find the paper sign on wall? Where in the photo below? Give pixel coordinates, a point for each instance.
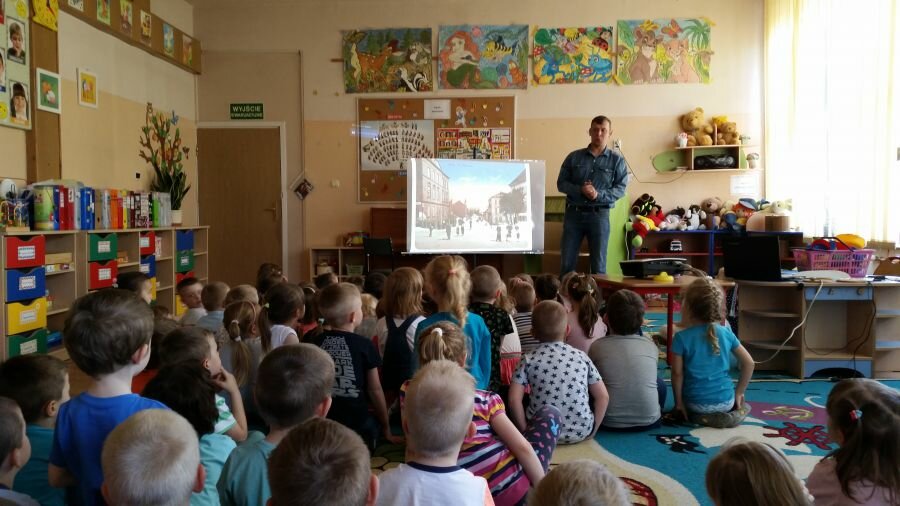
(745, 185)
(246, 111)
(437, 109)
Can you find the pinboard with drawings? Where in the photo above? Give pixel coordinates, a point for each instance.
(393, 130)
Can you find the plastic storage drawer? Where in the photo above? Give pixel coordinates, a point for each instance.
(102, 274)
(22, 317)
(36, 342)
(184, 240)
(147, 243)
(148, 266)
(24, 252)
(103, 247)
(25, 284)
(184, 261)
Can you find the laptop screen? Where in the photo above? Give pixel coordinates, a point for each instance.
(752, 257)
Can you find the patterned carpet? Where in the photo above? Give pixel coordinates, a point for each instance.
(666, 466)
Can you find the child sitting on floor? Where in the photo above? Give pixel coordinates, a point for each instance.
(523, 294)
(498, 452)
(322, 463)
(189, 290)
(560, 376)
(213, 298)
(749, 472)
(15, 450)
(704, 392)
(864, 420)
(137, 283)
(437, 417)
(283, 307)
(585, 324)
(486, 284)
(40, 385)
(580, 483)
(402, 303)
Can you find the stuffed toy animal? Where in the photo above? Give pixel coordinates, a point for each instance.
(643, 205)
(698, 130)
(674, 220)
(711, 206)
(744, 209)
(727, 133)
(694, 218)
(656, 215)
(641, 225)
(641, 222)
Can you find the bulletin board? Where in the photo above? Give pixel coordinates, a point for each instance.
(391, 131)
(16, 108)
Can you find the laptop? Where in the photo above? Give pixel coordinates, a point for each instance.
(752, 258)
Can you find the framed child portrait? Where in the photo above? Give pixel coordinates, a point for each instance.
(48, 91)
(88, 93)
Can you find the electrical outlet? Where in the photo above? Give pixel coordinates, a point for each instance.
(137, 175)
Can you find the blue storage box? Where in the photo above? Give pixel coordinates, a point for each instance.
(54, 339)
(184, 240)
(148, 265)
(25, 284)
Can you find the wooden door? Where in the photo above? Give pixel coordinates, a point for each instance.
(240, 199)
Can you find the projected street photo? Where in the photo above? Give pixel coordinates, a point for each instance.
(470, 206)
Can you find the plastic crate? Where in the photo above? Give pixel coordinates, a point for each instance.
(853, 262)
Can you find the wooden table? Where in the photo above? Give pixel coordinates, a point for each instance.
(609, 283)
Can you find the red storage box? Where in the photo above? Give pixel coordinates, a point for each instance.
(102, 274)
(182, 275)
(147, 243)
(24, 251)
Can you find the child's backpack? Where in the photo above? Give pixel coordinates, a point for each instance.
(398, 359)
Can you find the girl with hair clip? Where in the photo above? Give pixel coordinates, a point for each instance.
(864, 420)
(585, 324)
(402, 304)
(242, 352)
(704, 392)
(510, 461)
(284, 306)
(310, 320)
(749, 473)
(448, 284)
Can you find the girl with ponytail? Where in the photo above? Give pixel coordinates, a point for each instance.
(704, 393)
(448, 284)
(585, 324)
(509, 460)
(242, 352)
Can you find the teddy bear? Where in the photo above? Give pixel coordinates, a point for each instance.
(727, 133)
(711, 206)
(698, 130)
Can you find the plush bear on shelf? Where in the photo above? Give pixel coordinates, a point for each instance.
(727, 134)
(698, 130)
(711, 206)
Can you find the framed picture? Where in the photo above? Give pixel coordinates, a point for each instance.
(88, 94)
(169, 40)
(126, 15)
(76, 4)
(146, 27)
(19, 110)
(103, 12)
(17, 35)
(48, 91)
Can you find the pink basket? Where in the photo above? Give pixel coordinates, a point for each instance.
(855, 263)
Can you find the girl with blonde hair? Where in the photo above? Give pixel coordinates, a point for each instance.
(704, 392)
(749, 473)
(448, 284)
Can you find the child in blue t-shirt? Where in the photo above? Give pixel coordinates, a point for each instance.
(40, 385)
(107, 335)
(704, 392)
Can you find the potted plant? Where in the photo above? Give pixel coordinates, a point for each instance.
(162, 149)
(752, 160)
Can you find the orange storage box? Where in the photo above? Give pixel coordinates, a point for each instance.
(24, 251)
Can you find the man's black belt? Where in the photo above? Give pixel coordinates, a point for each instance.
(586, 209)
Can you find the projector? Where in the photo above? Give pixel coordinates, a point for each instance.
(651, 266)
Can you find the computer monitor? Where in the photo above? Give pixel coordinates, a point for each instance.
(752, 257)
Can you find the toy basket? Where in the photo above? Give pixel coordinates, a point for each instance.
(853, 262)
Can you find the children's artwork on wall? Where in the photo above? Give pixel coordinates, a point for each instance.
(673, 50)
(572, 55)
(17, 41)
(88, 93)
(146, 27)
(474, 143)
(19, 109)
(168, 40)
(396, 59)
(483, 56)
(187, 50)
(103, 12)
(76, 4)
(2, 71)
(385, 145)
(126, 16)
(48, 91)
(46, 13)
(2, 11)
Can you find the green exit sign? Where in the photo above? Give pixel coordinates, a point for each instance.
(246, 111)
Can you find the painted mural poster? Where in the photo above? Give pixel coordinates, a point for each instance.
(126, 16)
(483, 56)
(572, 55)
(386, 145)
(474, 143)
(146, 27)
(395, 59)
(168, 40)
(675, 50)
(103, 12)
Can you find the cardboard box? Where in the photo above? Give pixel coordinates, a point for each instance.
(58, 258)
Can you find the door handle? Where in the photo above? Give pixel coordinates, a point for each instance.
(273, 210)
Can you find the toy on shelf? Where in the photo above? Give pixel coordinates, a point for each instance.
(726, 131)
(698, 130)
(674, 220)
(711, 206)
(694, 218)
(646, 215)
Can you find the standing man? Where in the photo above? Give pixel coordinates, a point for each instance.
(593, 179)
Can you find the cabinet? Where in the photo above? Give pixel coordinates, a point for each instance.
(702, 248)
(40, 282)
(852, 325)
(686, 158)
(343, 260)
